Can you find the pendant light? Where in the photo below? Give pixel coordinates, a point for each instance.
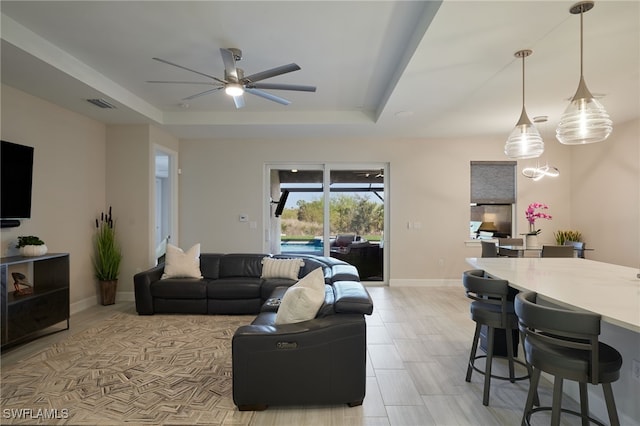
(525, 140)
(538, 172)
(585, 120)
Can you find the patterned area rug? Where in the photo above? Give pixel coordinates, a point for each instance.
(160, 369)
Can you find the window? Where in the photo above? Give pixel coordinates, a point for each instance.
(492, 196)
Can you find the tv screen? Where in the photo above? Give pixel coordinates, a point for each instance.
(281, 202)
(16, 162)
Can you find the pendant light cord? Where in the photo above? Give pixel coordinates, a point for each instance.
(581, 41)
(523, 103)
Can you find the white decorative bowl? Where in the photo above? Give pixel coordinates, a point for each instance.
(34, 250)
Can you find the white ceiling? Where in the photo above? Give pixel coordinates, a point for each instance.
(382, 68)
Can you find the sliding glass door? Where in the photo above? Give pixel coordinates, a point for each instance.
(330, 210)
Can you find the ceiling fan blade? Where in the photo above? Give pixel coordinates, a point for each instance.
(239, 101)
(268, 96)
(197, 95)
(275, 86)
(189, 69)
(283, 69)
(180, 82)
(229, 63)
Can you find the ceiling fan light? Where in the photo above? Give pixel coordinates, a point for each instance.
(234, 89)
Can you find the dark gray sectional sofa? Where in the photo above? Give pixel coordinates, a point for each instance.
(319, 361)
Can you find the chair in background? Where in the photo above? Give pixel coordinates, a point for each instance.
(556, 251)
(509, 242)
(489, 249)
(492, 308)
(578, 246)
(565, 344)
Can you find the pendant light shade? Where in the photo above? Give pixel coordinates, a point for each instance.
(585, 120)
(525, 140)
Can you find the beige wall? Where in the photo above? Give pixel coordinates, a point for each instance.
(605, 197)
(83, 166)
(68, 183)
(428, 181)
(130, 191)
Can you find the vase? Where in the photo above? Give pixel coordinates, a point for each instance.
(108, 291)
(31, 250)
(531, 241)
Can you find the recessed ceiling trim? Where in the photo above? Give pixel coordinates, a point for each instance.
(33, 44)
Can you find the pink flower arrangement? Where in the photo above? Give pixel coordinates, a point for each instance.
(531, 215)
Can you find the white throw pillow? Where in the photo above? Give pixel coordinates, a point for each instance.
(181, 264)
(281, 268)
(302, 300)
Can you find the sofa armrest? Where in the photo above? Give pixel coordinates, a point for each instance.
(321, 361)
(352, 297)
(142, 287)
(344, 272)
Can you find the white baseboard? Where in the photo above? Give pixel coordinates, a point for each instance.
(81, 305)
(433, 282)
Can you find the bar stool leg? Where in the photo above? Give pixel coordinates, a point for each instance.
(533, 393)
(487, 374)
(584, 403)
(474, 348)
(557, 401)
(510, 355)
(611, 404)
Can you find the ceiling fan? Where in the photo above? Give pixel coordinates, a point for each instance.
(235, 83)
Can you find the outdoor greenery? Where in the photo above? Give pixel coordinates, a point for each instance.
(348, 214)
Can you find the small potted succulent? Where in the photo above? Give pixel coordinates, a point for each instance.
(30, 245)
(562, 236)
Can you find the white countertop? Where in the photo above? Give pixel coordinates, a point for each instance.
(612, 291)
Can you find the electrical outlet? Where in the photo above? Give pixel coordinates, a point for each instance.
(635, 369)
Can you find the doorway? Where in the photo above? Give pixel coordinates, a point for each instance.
(165, 228)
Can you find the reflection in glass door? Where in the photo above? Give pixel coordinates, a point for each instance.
(297, 211)
(357, 220)
(330, 211)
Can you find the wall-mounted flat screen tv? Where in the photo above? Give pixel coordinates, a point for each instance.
(16, 174)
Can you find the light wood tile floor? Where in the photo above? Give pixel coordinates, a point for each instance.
(418, 346)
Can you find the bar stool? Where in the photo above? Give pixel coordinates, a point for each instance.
(492, 308)
(565, 344)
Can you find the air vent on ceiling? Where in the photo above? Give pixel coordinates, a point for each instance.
(101, 103)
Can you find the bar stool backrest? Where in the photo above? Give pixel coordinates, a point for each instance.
(556, 251)
(489, 249)
(578, 246)
(544, 326)
(485, 289)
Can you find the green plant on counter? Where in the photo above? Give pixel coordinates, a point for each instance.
(562, 236)
(29, 240)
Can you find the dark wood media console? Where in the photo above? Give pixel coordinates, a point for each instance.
(23, 316)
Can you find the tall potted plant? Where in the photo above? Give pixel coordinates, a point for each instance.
(107, 258)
